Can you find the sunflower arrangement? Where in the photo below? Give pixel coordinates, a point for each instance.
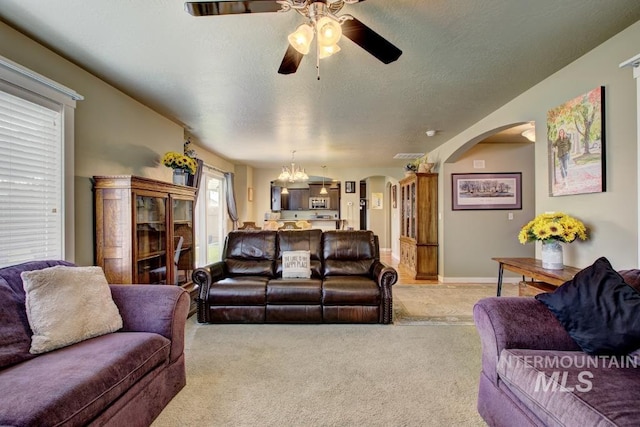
(175, 160)
(548, 227)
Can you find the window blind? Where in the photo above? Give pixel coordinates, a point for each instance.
(31, 217)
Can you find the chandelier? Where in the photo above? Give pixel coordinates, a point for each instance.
(293, 174)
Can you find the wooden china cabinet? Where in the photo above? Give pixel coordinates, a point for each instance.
(145, 231)
(419, 225)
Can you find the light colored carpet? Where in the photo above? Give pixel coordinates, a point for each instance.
(328, 375)
(442, 304)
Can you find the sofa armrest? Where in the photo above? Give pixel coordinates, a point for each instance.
(516, 322)
(161, 309)
(204, 277)
(385, 276)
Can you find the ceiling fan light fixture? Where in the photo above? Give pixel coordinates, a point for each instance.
(301, 38)
(327, 51)
(329, 31)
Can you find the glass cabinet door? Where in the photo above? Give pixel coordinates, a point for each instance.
(151, 245)
(413, 210)
(183, 249)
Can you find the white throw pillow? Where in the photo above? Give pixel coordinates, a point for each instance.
(295, 264)
(66, 305)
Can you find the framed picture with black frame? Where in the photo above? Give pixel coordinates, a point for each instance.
(486, 191)
(350, 187)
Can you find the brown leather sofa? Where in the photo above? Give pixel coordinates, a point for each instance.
(348, 283)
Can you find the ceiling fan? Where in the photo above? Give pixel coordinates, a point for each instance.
(320, 20)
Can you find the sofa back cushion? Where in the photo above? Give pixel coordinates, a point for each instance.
(250, 254)
(301, 240)
(15, 333)
(349, 253)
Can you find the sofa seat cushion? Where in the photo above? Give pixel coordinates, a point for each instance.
(350, 290)
(294, 291)
(72, 385)
(245, 290)
(572, 387)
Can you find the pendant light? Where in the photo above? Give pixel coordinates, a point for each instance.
(323, 190)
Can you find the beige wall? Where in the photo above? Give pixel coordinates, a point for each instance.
(114, 134)
(378, 218)
(482, 234)
(612, 216)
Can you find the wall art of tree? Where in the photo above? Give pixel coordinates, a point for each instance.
(582, 116)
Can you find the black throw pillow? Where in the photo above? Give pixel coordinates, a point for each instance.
(598, 310)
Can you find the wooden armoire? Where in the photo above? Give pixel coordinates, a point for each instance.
(144, 231)
(419, 225)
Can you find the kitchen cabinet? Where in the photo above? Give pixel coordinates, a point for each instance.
(298, 199)
(314, 190)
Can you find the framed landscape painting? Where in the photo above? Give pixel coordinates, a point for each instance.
(475, 191)
(576, 145)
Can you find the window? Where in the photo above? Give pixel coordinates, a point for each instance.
(30, 181)
(211, 218)
(36, 201)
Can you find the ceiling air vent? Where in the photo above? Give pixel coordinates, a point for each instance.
(408, 156)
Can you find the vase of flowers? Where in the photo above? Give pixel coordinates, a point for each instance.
(181, 165)
(552, 229)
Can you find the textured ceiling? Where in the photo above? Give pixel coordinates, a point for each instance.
(218, 75)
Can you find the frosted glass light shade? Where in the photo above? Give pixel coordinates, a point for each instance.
(301, 38)
(327, 51)
(329, 31)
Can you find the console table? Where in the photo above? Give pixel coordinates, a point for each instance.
(530, 267)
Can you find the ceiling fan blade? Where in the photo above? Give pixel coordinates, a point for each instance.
(370, 41)
(208, 8)
(291, 61)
